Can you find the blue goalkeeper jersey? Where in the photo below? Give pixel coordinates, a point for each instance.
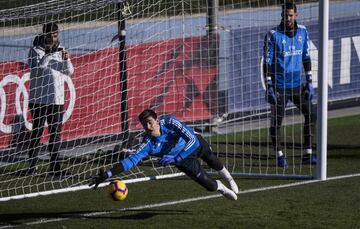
(176, 139)
(285, 54)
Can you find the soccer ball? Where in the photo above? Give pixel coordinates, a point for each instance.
(118, 190)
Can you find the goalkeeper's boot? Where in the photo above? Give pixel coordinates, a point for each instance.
(224, 173)
(309, 159)
(225, 191)
(282, 162)
(233, 185)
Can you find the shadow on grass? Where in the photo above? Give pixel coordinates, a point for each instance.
(342, 155)
(23, 218)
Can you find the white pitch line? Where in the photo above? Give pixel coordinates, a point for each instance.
(79, 216)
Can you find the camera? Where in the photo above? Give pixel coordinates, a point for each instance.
(60, 49)
(47, 40)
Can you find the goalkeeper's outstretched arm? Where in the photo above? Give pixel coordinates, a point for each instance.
(123, 165)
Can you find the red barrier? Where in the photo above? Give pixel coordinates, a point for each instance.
(173, 77)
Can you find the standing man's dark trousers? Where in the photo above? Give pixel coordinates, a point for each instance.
(53, 114)
(306, 107)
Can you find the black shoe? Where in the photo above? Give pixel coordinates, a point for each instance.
(32, 171)
(309, 159)
(282, 162)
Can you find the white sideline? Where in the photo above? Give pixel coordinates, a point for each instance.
(79, 216)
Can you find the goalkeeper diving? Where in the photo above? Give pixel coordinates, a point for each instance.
(175, 144)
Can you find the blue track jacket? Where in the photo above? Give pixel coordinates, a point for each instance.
(176, 139)
(285, 55)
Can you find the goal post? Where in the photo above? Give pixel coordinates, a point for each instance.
(321, 172)
(197, 60)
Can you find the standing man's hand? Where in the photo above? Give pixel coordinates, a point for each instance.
(270, 94)
(65, 54)
(308, 89)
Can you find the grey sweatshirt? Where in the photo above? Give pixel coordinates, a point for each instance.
(47, 76)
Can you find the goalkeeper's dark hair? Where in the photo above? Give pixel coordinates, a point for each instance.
(290, 5)
(50, 27)
(146, 114)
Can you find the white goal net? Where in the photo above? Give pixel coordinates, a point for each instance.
(197, 60)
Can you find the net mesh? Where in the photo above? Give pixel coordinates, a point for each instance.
(176, 63)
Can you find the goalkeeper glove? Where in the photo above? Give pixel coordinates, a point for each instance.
(308, 89)
(168, 159)
(270, 96)
(101, 177)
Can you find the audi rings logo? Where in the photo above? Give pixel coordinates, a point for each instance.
(23, 109)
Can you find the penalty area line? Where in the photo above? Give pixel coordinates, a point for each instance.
(94, 214)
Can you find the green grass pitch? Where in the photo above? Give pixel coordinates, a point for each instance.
(329, 204)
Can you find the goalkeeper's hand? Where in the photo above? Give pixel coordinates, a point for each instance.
(270, 94)
(96, 180)
(169, 159)
(308, 89)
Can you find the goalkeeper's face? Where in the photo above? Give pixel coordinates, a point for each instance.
(151, 126)
(289, 17)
